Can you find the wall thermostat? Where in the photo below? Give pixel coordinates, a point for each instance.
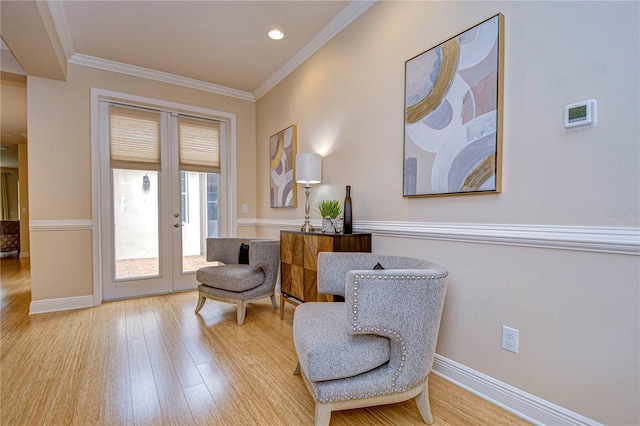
(581, 114)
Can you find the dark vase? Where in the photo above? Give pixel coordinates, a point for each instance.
(348, 226)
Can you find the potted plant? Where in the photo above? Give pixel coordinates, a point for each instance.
(330, 210)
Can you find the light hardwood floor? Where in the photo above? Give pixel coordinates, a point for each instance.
(154, 361)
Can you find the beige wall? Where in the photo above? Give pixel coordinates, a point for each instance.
(59, 128)
(577, 312)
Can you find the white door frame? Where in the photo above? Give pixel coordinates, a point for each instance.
(227, 179)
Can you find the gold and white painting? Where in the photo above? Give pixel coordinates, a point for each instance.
(282, 154)
(453, 107)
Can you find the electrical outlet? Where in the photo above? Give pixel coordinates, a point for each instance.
(245, 208)
(509, 339)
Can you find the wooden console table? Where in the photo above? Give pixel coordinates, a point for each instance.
(299, 262)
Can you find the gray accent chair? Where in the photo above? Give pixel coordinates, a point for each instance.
(376, 347)
(241, 284)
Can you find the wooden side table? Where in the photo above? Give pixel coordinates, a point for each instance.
(299, 262)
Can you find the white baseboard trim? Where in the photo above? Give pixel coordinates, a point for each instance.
(522, 404)
(62, 304)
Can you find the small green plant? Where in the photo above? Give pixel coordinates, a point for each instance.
(329, 208)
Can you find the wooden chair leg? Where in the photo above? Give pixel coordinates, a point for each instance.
(273, 301)
(281, 306)
(242, 311)
(423, 404)
(201, 300)
(323, 414)
(296, 370)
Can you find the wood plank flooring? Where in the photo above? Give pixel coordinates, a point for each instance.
(154, 361)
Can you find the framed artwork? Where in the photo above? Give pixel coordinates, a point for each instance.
(282, 154)
(453, 114)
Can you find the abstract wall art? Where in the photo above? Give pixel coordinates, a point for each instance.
(282, 154)
(453, 114)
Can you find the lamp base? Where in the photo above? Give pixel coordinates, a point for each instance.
(307, 227)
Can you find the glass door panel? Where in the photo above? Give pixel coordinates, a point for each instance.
(199, 213)
(135, 224)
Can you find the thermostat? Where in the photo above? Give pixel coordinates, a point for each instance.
(581, 114)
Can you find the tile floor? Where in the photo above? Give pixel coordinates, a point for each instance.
(135, 268)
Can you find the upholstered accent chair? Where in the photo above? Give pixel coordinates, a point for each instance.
(248, 272)
(377, 346)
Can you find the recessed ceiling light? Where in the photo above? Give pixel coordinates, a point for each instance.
(276, 34)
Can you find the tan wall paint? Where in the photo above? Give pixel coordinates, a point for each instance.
(578, 313)
(61, 264)
(347, 101)
(59, 123)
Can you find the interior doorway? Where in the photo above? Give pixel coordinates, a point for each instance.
(14, 187)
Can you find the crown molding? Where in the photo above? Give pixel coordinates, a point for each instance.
(337, 24)
(59, 19)
(119, 67)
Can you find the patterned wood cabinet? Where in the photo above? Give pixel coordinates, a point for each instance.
(299, 261)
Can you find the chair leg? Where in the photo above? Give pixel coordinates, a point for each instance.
(323, 414)
(423, 404)
(281, 306)
(201, 300)
(242, 311)
(273, 301)
(296, 371)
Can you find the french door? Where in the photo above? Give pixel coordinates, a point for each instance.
(161, 174)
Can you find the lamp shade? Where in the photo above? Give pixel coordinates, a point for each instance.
(308, 168)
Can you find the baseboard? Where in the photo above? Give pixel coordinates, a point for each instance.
(24, 254)
(62, 304)
(522, 404)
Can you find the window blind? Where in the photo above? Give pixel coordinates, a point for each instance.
(134, 138)
(199, 145)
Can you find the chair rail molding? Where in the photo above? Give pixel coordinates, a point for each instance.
(617, 240)
(60, 224)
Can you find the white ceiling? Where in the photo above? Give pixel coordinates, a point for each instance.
(220, 44)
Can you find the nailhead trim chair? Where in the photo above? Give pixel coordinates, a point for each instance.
(377, 346)
(241, 284)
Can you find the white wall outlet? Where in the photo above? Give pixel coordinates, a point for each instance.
(245, 208)
(509, 339)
